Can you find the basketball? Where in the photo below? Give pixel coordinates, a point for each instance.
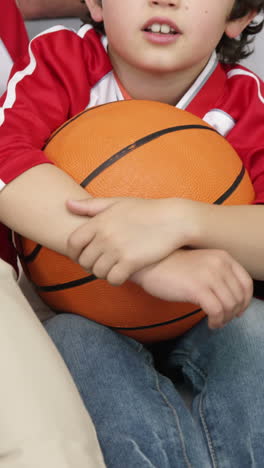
(140, 149)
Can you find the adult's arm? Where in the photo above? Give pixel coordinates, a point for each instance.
(34, 9)
(43, 421)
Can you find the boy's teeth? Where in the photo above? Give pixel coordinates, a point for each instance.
(165, 29)
(155, 28)
(161, 28)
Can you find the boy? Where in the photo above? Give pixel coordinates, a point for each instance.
(141, 420)
(33, 426)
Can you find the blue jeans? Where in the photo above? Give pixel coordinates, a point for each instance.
(140, 417)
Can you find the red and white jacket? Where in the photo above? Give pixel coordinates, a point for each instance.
(13, 39)
(13, 44)
(65, 72)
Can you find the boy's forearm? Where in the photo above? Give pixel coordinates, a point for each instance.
(33, 204)
(237, 229)
(33, 9)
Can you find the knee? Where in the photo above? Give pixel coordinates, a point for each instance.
(251, 324)
(73, 332)
(72, 328)
(243, 337)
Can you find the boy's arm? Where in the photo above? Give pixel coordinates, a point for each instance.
(34, 204)
(211, 279)
(237, 229)
(43, 92)
(128, 234)
(33, 9)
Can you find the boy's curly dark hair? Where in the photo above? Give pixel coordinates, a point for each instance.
(228, 50)
(234, 50)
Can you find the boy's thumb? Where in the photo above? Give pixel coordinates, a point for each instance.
(89, 206)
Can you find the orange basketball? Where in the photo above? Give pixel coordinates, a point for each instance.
(138, 149)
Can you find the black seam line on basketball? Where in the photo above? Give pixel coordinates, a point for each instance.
(68, 285)
(31, 257)
(155, 325)
(232, 188)
(133, 146)
(68, 122)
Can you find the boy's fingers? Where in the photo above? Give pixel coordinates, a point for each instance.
(90, 255)
(234, 284)
(233, 296)
(103, 266)
(220, 312)
(119, 274)
(79, 239)
(211, 305)
(90, 206)
(246, 283)
(228, 304)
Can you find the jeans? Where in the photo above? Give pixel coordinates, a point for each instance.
(140, 417)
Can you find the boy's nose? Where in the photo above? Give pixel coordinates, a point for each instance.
(164, 3)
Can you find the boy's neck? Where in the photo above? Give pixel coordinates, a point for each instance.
(168, 88)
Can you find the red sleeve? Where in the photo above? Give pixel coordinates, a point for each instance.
(48, 86)
(247, 136)
(12, 29)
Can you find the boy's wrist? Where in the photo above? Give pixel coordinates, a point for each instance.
(203, 223)
(190, 216)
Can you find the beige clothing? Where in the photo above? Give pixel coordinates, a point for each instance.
(43, 422)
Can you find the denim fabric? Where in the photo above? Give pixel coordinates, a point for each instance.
(140, 417)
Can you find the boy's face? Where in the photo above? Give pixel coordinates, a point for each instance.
(165, 36)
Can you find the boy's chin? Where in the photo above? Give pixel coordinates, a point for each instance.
(163, 72)
(159, 68)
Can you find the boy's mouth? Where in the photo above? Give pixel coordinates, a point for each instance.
(161, 26)
(161, 29)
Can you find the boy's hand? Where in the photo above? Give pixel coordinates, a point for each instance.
(212, 279)
(127, 234)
